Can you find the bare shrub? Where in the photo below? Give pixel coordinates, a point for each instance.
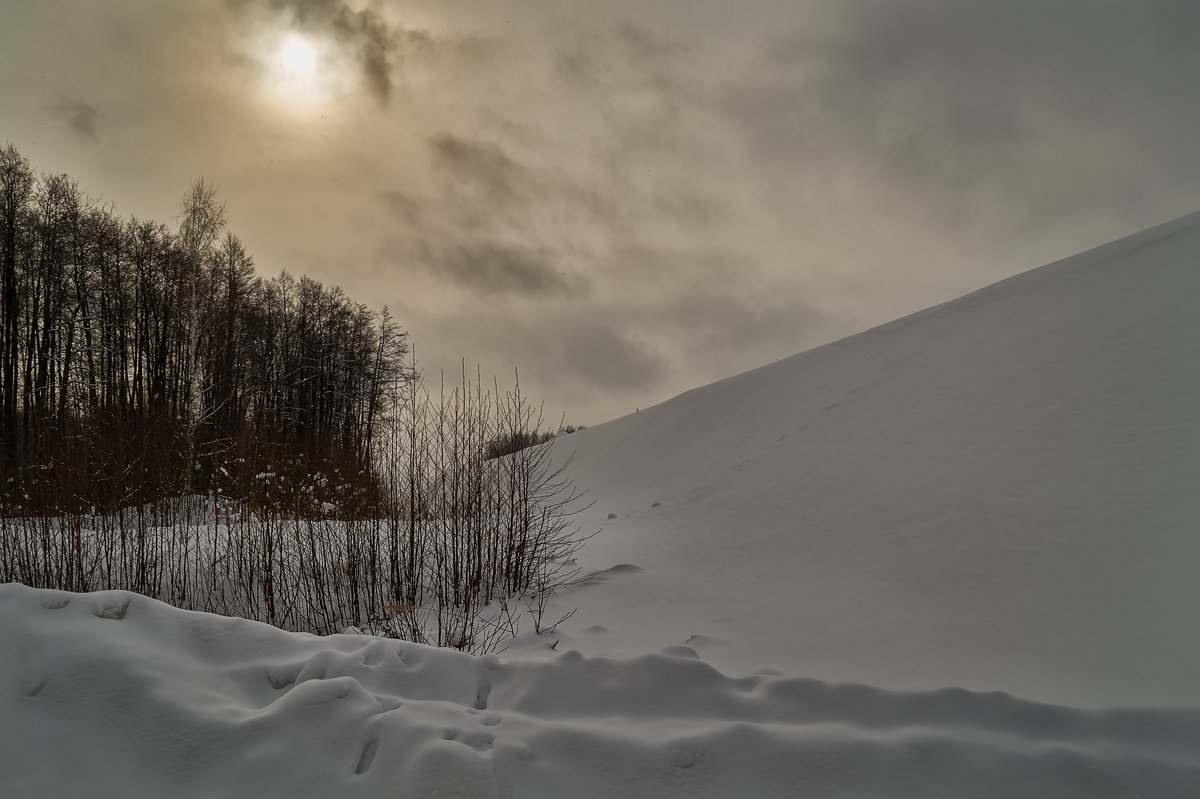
(454, 549)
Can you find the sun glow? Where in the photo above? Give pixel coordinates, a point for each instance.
(297, 73)
(297, 57)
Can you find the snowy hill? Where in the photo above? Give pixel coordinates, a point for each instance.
(813, 578)
(998, 493)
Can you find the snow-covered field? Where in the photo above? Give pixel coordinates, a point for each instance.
(813, 579)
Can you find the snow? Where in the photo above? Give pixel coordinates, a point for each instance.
(998, 493)
(114, 694)
(951, 556)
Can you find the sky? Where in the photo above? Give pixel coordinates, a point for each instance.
(624, 200)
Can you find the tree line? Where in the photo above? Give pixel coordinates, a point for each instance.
(174, 424)
(139, 361)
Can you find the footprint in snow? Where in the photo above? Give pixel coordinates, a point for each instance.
(479, 741)
(113, 609)
(481, 696)
(367, 757)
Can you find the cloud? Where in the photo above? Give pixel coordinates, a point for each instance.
(967, 108)
(585, 356)
(79, 116)
(373, 40)
(641, 196)
(643, 45)
(493, 267)
(483, 222)
(484, 166)
(604, 358)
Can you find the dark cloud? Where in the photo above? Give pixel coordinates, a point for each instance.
(482, 228)
(79, 116)
(714, 308)
(494, 267)
(604, 356)
(965, 106)
(375, 40)
(586, 354)
(483, 166)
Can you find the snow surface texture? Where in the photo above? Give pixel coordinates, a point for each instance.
(114, 694)
(998, 493)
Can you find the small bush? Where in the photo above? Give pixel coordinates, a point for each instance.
(509, 443)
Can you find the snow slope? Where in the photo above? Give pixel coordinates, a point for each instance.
(817, 578)
(998, 493)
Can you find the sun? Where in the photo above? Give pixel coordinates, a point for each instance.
(297, 73)
(297, 57)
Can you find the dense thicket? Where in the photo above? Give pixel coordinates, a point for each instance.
(138, 362)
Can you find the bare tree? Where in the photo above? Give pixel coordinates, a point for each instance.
(16, 186)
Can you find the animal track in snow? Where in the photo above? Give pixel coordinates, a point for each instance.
(282, 677)
(481, 696)
(479, 741)
(374, 654)
(111, 609)
(367, 757)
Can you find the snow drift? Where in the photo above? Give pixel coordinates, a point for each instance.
(994, 497)
(113, 694)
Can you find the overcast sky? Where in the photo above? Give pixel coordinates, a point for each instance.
(630, 198)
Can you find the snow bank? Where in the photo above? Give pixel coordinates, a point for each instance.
(113, 694)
